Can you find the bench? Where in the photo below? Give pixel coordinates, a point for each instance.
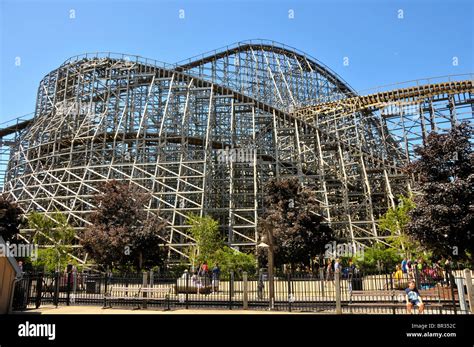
(155, 294)
(120, 293)
(141, 294)
(388, 299)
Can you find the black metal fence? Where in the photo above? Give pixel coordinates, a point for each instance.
(385, 293)
(359, 293)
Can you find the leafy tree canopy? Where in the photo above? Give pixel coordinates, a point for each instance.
(210, 247)
(396, 220)
(121, 235)
(294, 216)
(54, 237)
(10, 218)
(379, 258)
(205, 230)
(443, 219)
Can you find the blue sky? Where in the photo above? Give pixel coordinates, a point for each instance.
(382, 48)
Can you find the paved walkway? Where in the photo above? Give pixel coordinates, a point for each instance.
(49, 310)
(52, 310)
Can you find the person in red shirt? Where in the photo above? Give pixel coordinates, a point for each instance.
(204, 274)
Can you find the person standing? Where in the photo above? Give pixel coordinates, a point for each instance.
(404, 265)
(337, 265)
(419, 265)
(203, 269)
(410, 268)
(398, 276)
(195, 281)
(447, 271)
(329, 270)
(204, 274)
(261, 285)
(438, 271)
(20, 265)
(216, 273)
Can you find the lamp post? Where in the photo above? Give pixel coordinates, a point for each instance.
(270, 249)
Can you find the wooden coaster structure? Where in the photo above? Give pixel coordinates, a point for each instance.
(204, 136)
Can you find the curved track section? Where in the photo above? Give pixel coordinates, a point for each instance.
(266, 70)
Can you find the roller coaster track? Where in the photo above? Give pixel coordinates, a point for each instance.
(307, 63)
(304, 120)
(413, 94)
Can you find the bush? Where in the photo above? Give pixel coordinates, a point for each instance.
(231, 260)
(388, 258)
(49, 260)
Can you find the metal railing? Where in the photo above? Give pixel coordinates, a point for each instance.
(357, 292)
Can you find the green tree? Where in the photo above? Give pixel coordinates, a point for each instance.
(396, 220)
(379, 257)
(205, 231)
(231, 260)
(210, 247)
(443, 219)
(294, 214)
(49, 260)
(10, 218)
(54, 237)
(121, 236)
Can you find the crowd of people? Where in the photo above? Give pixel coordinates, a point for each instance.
(203, 277)
(426, 274)
(424, 271)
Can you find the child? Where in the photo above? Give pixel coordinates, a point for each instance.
(413, 297)
(398, 273)
(398, 276)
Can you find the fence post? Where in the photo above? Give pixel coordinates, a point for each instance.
(389, 286)
(246, 294)
(417, 277)
(290, 298)
(39, 285)
(56, 288)
(337, 286)
(461, 297)
(260, 285)
(29, 290)
(389, 274)
(152, 278)
(145, 285)
(74, 286)
(231, 289)
(322, 281)
(187, 289)
(105, 288)
(68, 286)
(452, 284)
(470, 293)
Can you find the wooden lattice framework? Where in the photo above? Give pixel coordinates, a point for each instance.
(163, 126)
